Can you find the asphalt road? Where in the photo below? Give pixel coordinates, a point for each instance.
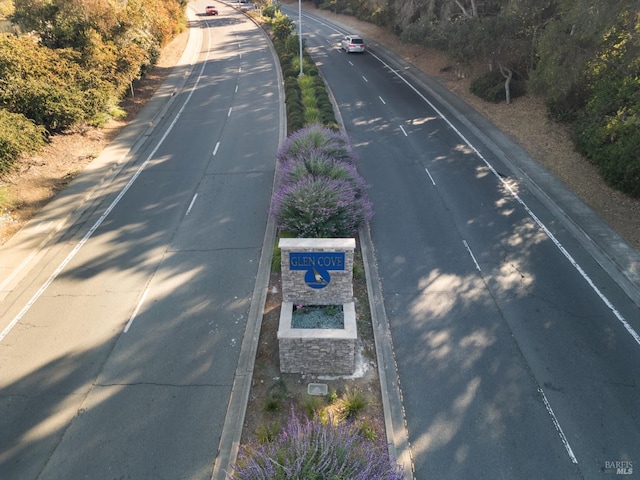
(122, 331)
(517, 350)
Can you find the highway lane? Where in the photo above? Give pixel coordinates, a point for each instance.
(120, 344)
(517, 354)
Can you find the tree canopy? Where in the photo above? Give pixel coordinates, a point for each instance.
(581, 56)
(77, 58)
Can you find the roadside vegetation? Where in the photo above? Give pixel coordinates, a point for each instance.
(309, 448)
(320, 194)
(73, 63)
(581, 56)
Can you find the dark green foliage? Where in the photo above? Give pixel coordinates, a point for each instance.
(489, 87)
(310, 67)
(292, 44)
(17, 135)
(608, 128)
(86, 58)
(295, 121)
(278, 393)
(608, 133)
(567, 107)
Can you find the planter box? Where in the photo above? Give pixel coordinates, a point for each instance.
(319, 351)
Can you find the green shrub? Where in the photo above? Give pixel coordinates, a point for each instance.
(278, 393)
(281, 25)
(269, 11)
(295, 120)
(612, 143)
(489, 87)
(352, 403)
(292, 45)
(48, 86)
(313, 405)
(268, 433)
(18, 135)
(358, 272)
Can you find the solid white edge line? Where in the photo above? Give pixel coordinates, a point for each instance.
(102, 218)
(193, 200)
(429, 173)
(565, 442)
(136, 310)
(628, 327)
(567, 255)
(472, 255)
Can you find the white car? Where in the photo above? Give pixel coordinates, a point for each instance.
(353, 43)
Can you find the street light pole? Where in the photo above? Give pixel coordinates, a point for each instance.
(300, 33)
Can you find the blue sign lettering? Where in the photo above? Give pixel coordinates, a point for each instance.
(317, 266)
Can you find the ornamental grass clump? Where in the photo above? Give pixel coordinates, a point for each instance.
(315, 450)
(320, 208)
(317, 137)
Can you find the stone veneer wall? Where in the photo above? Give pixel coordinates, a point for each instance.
(340, 288)
(316, 350)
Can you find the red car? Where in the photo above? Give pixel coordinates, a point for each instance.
(211, 10)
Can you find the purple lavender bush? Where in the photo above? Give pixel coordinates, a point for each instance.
(318, 164)
(317, 137)
(320, 194)
(311, 450)
(320, 208)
